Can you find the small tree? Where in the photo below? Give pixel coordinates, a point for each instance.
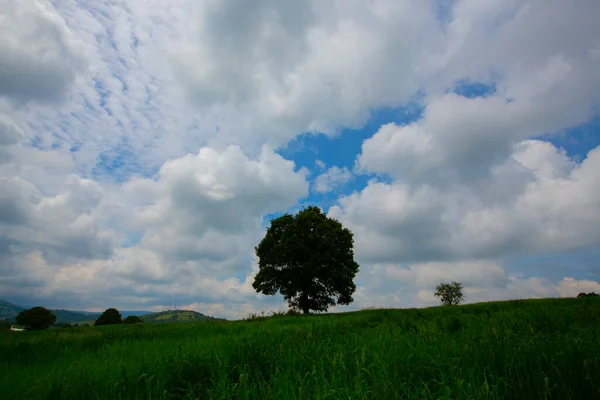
(109, 317)
(309, 259)
(133, 319)
(36, 319)
(450, 293)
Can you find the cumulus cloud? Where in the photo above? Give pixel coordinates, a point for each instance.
(210, 205)
(546, 78)
(570, 287)
(133, 165)
(40, 55)
(331, 179)
(552, 206)
(59, 227)
(196, 226)
(308, 65)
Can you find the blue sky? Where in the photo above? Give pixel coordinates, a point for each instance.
(144, 154)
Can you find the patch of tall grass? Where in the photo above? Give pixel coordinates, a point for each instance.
(529, 349)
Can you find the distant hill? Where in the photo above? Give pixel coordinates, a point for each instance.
(177, 316)
(10, 311)
(73, 316)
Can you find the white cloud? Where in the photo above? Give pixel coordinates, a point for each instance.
(119, 179)
(210, 205)
(61, 227)
(570, 287)
(546, 76)
(9, 132)
(481, 273)
(197, 224)
(307, 65)
(331, 179)
(552, 205)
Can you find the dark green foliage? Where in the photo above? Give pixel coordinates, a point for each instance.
(292, 311)
(527, 349)
(5, 324)
(309, 259)
(133, 319)
(64, 325)
(109, 317)
(36, 318)
(592, 294)
(450, 293)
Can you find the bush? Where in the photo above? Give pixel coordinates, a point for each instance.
(255, 317)
(293, 311)
(133, 319)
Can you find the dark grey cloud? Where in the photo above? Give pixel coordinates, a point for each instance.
(40, 58)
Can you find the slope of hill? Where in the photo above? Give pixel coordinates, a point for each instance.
(177, 316)
(72, 317)
(525, 349)
(9, 310)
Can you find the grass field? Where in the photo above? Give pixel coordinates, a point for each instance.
(530, 349)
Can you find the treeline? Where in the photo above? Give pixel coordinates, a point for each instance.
(40, 318)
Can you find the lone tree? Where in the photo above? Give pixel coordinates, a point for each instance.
(308, 258)
(109, 317)
(36, 319)
(133, 319)
(450, 293)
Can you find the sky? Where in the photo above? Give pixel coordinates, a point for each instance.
(146, 145)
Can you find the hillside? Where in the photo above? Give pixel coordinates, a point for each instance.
(9, 310)
(528, 349)
(72, 317)
(177, 316)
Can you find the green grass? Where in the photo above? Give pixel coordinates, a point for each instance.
(533, 349)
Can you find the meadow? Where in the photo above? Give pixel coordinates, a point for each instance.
(525, 349)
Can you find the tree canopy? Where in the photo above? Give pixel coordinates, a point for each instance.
(109, 317)
(309, 259)
(450, 293)
(36, 318)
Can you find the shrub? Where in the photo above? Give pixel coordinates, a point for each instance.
(133, 319)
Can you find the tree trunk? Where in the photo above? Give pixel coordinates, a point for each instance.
(304, 304)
